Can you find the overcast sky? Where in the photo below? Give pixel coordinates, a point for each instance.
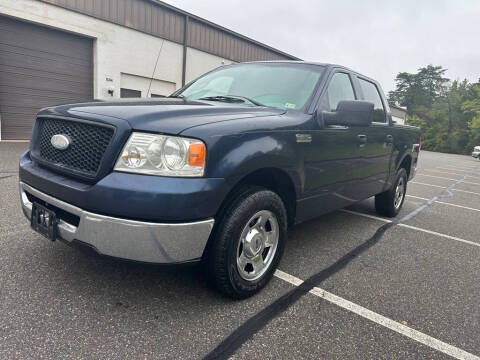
(374, 37)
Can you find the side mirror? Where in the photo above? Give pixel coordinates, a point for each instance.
(350, 113)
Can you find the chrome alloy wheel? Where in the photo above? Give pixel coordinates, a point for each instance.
(258, 245)
(399, 192)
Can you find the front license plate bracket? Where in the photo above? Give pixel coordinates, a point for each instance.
(44, 221)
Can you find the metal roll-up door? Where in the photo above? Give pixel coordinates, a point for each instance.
(39, 67)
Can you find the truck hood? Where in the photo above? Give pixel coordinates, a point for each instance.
(169, 115)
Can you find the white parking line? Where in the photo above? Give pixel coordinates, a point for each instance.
(413, 228)
(444, 203)
(440, 235)
(441, 177)
(420, 183)
(443, 187)
(448, 172)
(461, 165)
(417, 197)
(457, 168)
(382, 320)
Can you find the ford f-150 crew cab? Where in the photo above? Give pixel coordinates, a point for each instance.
(217, 171)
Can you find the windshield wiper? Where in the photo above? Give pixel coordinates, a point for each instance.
(180, 96)
(232, 99)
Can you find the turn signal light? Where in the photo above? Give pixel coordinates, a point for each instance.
(196, 155)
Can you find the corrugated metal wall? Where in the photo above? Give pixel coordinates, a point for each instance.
(160, 20)
(136, 14)
(218, 42)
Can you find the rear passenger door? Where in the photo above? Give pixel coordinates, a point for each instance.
(373, 169)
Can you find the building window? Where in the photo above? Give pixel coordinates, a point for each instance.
(129, 93)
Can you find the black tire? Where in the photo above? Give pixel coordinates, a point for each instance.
(220, 260)
(385, 202)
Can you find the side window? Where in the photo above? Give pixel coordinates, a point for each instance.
(370, 92)
(340, 88)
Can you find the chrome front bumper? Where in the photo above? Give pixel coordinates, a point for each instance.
(128, 239)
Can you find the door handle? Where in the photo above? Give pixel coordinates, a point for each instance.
(362, 139)
(389, 139)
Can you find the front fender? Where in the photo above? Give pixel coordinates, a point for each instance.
(236, 156)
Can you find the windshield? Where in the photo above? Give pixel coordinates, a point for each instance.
(280, 85)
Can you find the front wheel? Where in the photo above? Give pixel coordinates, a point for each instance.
(390, 202)
(248, 243)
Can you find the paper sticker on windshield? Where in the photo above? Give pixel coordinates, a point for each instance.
(290, 106)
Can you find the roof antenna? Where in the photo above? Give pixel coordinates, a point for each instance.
(155, 68)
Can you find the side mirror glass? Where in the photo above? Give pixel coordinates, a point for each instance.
(350, 113)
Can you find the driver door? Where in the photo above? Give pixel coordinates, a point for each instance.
(331, 156)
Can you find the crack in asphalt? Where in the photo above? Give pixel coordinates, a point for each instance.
(253, 325)
(5, 177)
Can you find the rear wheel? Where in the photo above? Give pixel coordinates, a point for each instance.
(248, 243)
(390, 202)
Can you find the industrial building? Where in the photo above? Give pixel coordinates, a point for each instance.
(64, 51)
(399, 114)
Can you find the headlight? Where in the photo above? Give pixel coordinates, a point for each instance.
(162, 155)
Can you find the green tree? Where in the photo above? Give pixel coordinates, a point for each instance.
(448, 112)
(472, 107)
(418, 91)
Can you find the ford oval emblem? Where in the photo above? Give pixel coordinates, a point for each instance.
(60, 142)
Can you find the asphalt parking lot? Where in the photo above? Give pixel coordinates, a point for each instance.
(408, 290)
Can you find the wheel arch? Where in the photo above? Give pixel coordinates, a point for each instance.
(406, 163)
(271, 178)
(274, 179)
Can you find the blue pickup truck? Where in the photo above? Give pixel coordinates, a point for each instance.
(219, 170)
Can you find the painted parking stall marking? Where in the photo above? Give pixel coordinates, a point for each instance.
(443, 203)
(443, 187)
(458, 169)
(413, 228)
(441, 177)
(446, 172)
(413, 334)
